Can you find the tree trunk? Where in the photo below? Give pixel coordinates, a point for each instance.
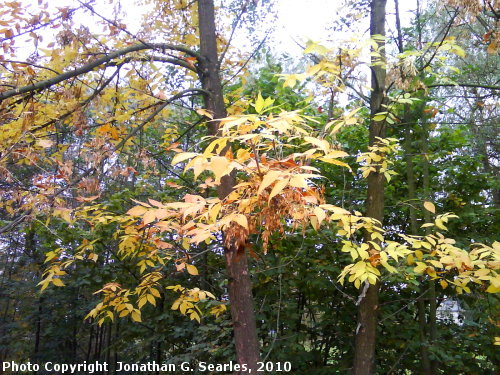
(240, 287)
(410, 177)
(432, 323)
(364, 355)
(89, 347)
(425, 365)
(38, 331)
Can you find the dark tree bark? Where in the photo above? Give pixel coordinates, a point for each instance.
(408, 121)
(240, 287)
(364, 355)
(432, 320)
(425, 367)
(89, 347)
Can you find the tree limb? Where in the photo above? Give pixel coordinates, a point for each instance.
(489, 87)
(41, 85)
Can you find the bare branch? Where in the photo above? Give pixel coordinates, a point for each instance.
(445, 35)
(488, 87)
(235, 25)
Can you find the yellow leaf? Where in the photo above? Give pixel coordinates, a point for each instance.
(316, 48)
(336, 210)
(290, 80)
(443, 283)
(420, 268)
(176, 303)
(137, 211)
(149, 217)
(242, 155)
(493, 289)
(496, 245)
(214, 212)
(57, 282)
(183, 156)
(194, 315)
(320, 143)
(410, 260)
(259, 103)
(219, 165)
(186, 244)
(320, 214)
(458, 51)
(336, 162)
(155, 203)
(64, 213)
(314, 222)
(278, 187)
(439, 224)
(241, 220)
(142, 301)
(429, 206)
(184, 306)
(336, 154)
(298, 182)
(204, 112)
(387, 266)
(268, 179)
(151, 299)
(192, 270)
(136, 316)
(336, 128)
(362, 251)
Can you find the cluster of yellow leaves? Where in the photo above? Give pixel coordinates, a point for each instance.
(116, 301)
(433, 255)
(188, 299)
(52, 275)
(437, 256)
(375, 160)
(349, 118)
(369, 255)
(330, 65)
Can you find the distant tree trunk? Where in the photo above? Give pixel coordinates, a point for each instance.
(116, 340)
(161, 307)
(408, 120)
(410, 177)
(240, 287)
(364, 355)
(89, 348)
(108, 343)
(481, 146)
(432, 322)
(38, 330)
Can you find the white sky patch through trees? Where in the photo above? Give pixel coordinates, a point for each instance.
(297, 20)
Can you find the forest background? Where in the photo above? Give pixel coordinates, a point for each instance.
(183, 189)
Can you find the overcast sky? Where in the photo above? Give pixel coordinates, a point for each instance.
(298, 20)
